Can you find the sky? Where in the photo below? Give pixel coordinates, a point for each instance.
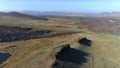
(61, 5)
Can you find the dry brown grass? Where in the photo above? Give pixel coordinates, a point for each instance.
(34, 53)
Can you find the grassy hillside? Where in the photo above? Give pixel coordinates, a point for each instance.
(38, 53)
(35, 53)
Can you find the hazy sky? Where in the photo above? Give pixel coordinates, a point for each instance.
(62, 5)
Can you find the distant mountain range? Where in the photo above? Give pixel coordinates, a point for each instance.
(38, 13)
(71, 13)
(47, 13)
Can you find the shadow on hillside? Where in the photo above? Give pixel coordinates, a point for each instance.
(70, 58)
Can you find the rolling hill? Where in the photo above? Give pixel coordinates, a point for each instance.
(26, 16)
(50, 51)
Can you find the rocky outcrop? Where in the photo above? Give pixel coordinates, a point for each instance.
(85, 41)
(67, 57)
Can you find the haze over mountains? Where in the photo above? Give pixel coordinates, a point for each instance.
(63, 12)
(31, 12)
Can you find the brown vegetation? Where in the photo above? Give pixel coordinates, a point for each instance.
(100, 24)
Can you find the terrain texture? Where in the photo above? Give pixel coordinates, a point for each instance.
(59, 42)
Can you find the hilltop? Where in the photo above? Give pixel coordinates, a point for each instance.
(25, 16)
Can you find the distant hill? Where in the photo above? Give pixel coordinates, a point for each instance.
(60, 13)
(47, 12)
(22, 15)
(108, 14)
(2, 13)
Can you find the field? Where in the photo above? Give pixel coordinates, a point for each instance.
(39, 49)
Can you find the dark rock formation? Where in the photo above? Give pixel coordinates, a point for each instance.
(85, 41)
(69, 58)
(61, 48)
(65, 47)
